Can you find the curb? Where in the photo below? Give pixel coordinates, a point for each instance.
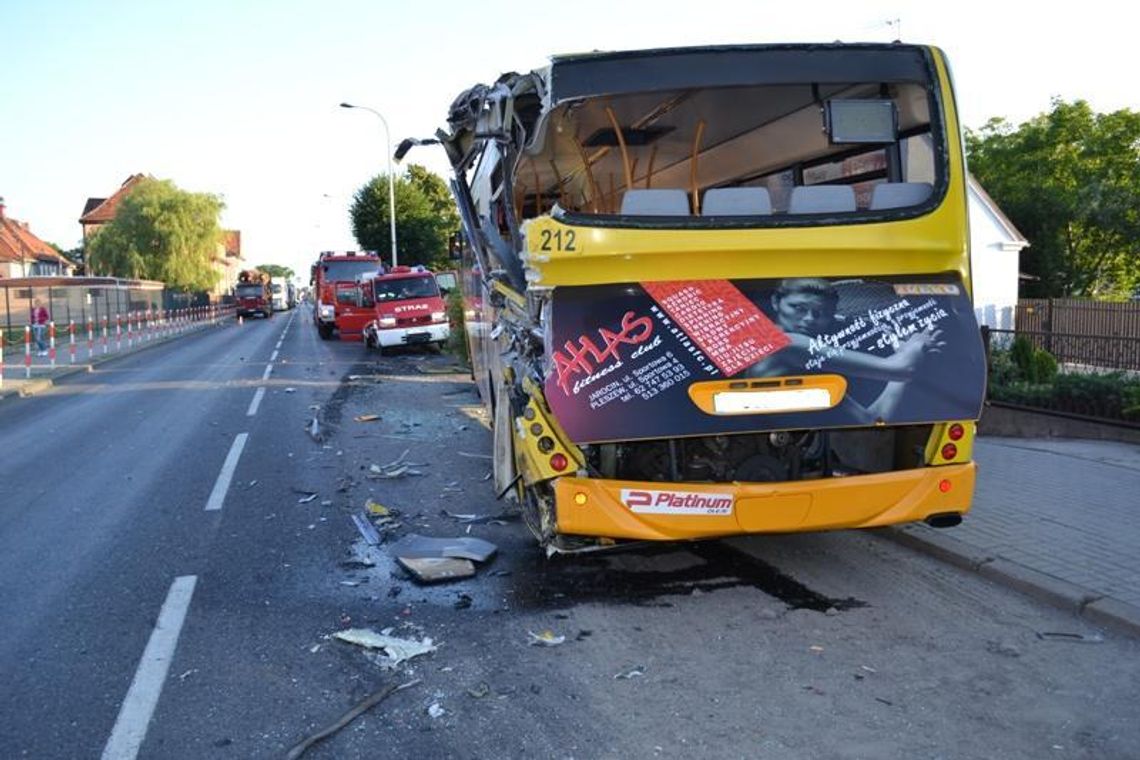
(1094, 607)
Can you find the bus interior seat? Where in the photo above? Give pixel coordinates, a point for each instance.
(655, 202)
(736, 201)
(821, 199)
(898, 194)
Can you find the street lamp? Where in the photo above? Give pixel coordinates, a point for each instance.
(391, 181)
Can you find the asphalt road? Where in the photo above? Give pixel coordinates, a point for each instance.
(135, 621)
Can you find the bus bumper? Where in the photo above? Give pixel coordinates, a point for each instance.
(673, 511)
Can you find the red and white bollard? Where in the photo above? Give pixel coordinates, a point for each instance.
(51, 343)
(105, 324)
(27, 350)
(71, 341)
(90, 337)
(118, 333)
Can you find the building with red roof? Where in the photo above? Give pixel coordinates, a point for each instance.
(22, 254)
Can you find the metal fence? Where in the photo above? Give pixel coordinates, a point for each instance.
(1078, 316)
(1107, 352)
(80, 299)
(1079, 331)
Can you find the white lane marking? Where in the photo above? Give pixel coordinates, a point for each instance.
(138, 706)
(218, 495)
(260, 394)
(273, 357)
(268, 369)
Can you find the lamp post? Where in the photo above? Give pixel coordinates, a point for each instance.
(391, 181)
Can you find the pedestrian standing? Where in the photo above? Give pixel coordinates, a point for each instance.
(40, 319)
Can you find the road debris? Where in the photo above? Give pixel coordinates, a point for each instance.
(366, 417)
(1076, 638)
(435, 710)
(314, 429)
(376, 508)
(364, 706)
(290, 390)
(502, 518)
(637, 671)
(366, 529)
(415, 546)
(395, 469)
(306, 499)
(437, 569)
(469, 455)
(398, 650)
(463, 602)
(480, 691)
(545, 639)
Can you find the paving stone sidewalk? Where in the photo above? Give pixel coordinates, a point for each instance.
(1056, 518)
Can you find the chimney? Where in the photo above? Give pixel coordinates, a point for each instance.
(1, 207)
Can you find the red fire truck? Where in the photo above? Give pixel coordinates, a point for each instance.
(335, 278)
(407, 308)
(251, 294)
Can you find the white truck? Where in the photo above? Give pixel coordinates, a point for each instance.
(280, 288)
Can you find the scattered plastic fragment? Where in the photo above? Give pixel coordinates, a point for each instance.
(290, 390)
(367, 417)
(314, 429)
(816, 649)
(397, 649)
(546, 639)
(415, 546)
(377, 508)
(306, 499)
(480, 691)
(366, 529)
(436, 569)
(463, 602)
(435, 711)
(637, 671)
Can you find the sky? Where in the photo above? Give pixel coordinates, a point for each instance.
(240, 97)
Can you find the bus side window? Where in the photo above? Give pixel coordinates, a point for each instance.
(899, 194)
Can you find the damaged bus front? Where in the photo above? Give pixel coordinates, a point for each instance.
(724, 290)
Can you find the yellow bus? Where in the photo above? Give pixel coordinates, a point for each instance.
(725, 290)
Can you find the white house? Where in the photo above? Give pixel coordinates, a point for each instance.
(995, 248)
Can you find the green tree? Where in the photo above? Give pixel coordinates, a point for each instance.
(1070, 180)
(276, 270)
(161, 233)
(425, 218)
